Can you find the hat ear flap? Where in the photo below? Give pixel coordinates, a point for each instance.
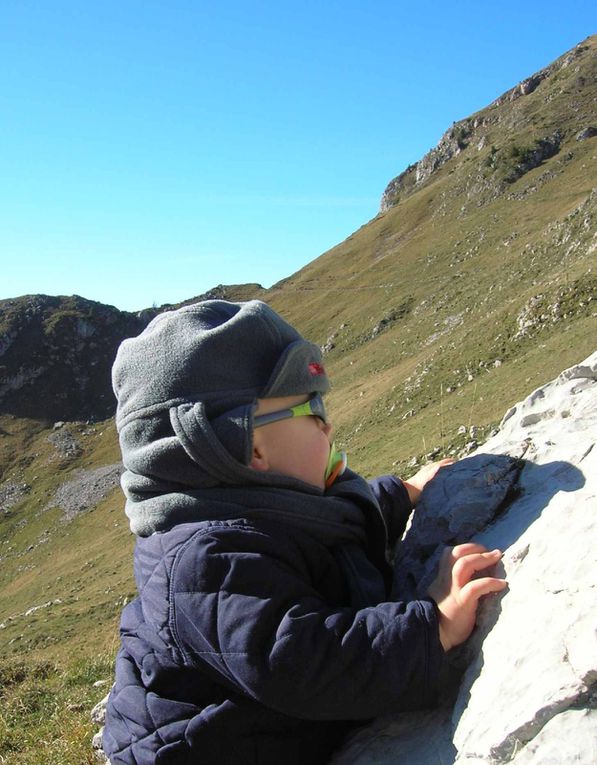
(203, 445)
(234, 430)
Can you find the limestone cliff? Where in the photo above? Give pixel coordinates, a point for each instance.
(520, 115)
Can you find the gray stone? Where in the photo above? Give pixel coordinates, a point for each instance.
(529, 85)
(96, 745)
(98, 713)
(11, 493)
(64, 442)
(526, 696)
(451, 510)
(98, 716)
(588, 132)
(421, 738)
(85, 490)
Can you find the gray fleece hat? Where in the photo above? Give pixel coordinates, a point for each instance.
(203, 366)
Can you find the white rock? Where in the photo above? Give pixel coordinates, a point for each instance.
(98, 751)
(98, 713)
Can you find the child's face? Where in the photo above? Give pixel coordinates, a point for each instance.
(298, 446)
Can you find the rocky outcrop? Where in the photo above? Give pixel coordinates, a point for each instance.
(451, 144)
(522, 689)
(56, 354)
(474, 132)
(11, 494)
(528, 158)
(585, 133)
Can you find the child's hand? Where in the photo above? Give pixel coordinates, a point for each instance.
(457, 593)
(414, 486)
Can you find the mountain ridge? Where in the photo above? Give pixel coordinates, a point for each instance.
(63, 347)
(465, 132)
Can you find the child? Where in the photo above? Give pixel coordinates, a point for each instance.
(262, 631)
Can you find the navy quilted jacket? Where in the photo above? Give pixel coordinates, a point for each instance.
(247, 644)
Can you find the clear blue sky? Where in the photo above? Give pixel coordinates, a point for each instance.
(151, 150)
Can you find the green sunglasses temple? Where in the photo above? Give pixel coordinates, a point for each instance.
(314, 406)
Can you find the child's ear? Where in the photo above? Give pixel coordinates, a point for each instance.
(259, 459)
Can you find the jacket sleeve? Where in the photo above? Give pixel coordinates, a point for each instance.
(246, 608)
(394, 502)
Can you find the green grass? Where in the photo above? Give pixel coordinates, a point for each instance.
(80, 566)
(80, 576)
(44, 710)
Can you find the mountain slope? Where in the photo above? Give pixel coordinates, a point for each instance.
(474, 284)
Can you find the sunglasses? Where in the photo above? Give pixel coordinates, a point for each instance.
(314, 406)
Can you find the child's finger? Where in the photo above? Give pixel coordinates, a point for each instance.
(459, 551)
(475, 589)
(465, 567)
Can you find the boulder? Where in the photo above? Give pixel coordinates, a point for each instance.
(522, 689)
(588, 132)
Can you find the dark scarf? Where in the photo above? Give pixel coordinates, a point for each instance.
(346, 519)
(179, 472)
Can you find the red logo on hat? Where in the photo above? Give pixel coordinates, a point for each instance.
(316, 369)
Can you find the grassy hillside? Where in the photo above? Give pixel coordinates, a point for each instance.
(473, 288)
(476, 284)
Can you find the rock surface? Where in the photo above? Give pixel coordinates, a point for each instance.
(527, 695)
(98, 717)
(56, 354)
